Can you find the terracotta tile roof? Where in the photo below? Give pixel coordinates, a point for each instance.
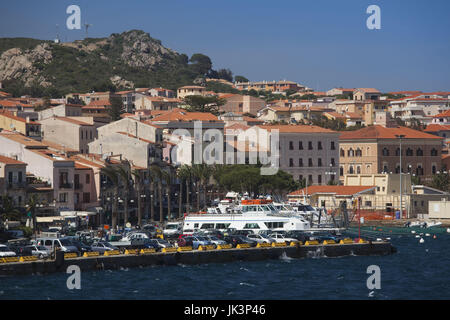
(19, 138)
(296, 128)
(78, 165)
(237, 126)
(4, 94)
(335, 115)
(125, 92)
(380, 132)
(97, 103)
(435, 127)
(368, 90)
(8, 160)
(58, 147)
(406, 93)
(182, 115)
(9, 115)
(445, 114)
(336, 190)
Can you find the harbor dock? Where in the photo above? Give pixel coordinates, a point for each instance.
(188, 257)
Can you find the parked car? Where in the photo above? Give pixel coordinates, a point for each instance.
(172, 228)
(21, 250)
(161, 243)
(5, 251)
(280, 238)
(298, 235)
(63, 243)
(102, 246)
(234, 240)
(186, 232)
(215, 240)
(39, 251)
(260, 238)
(194, 241)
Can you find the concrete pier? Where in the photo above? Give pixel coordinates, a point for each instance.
(195, 257)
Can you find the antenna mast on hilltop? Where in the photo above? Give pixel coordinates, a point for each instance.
(87, 25)
(57, 34)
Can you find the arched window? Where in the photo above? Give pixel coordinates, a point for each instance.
(385, 169)
(433, 169)
(351, 152)
(409, 152)
(358, 169)
(350, 170)
(397, 152)
(385, 152)
(434, 152)
(342, 153)
(358, 152)
(419, 152)
(341, 171)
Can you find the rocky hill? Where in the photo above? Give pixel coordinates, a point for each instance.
(120, 61)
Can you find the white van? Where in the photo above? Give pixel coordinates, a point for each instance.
(50, 243)
(5, 251)
(172, 228)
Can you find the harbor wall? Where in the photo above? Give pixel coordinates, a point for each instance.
(194, 257)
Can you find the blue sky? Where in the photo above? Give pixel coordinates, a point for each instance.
(321, 43)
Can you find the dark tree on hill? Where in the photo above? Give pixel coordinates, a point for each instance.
(116, 108)
(225, 74)
(200, 63)
(204, 104)
(240, 79)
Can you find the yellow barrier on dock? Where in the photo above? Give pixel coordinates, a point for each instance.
(70, 255)
(243, 246)
(168, 250)
(11, 259)
(111, 253)
(346, 241)
(264, 245)
(28, 258)
(91, 254)
(311, 243)
(147, 250)
(295, 243)
(279, 244)
(180, 249)
(131, 251)
(205, 248)
(362, 241)
(329, 242)
(224, 246)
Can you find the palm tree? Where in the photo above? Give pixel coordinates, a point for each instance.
(110, 172)
(138, 181)
(32, 204)
(124, 175)
(167, 176)
(203, 173)
(8, 210)
(158, 177)
(184, 175)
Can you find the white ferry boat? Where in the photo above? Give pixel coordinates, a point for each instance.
(254, 215)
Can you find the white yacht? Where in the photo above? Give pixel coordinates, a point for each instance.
(255, 215)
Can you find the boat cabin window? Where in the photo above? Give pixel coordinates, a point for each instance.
(207, 226)
(195, 225)
(274, 225)
(251, 226)
(222, 225)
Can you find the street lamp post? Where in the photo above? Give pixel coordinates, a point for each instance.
(400, 136)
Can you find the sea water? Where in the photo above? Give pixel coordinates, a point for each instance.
(416, 271)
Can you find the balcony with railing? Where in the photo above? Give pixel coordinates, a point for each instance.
(65, 185)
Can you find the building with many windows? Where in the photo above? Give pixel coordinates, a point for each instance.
(376, 149)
